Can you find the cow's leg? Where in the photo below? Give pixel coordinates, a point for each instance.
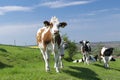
(60, 62)
(46, 59)
(56, 57)
(84, 58)
(61, 55)
(87, 60)
(110, 57)
(45, 55)
(105, 61)
(56, 65)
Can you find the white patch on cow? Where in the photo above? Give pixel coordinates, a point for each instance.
(88, 44)
(103, 50)
(84, 42)
(39, 30)
(54, 20)
(77, 61)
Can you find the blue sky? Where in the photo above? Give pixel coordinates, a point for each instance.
(93, 20)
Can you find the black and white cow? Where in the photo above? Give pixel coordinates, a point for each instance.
(106, 55)
(85, 50)
(91, 59)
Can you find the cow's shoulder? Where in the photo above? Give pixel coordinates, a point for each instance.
(39, 34)
(41, 30)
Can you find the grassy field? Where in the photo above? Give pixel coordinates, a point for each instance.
(23, 63)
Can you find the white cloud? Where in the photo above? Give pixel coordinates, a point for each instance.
(51, 4)
(16, 29)
(64, 3)
(5, 9)
(101, 11)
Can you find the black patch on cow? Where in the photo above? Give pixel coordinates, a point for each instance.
(86, 48)
(58, 39)
(96, 57)
(112, 59)
(77, 61)
(82, 60)
(108, 52)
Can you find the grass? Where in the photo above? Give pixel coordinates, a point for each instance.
(23, 63)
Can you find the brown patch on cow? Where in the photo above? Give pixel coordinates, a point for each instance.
(47, 38)
(39, 35)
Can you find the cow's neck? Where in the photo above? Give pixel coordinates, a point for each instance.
(58, 39)
(54, 38)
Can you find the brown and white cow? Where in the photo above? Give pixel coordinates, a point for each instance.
(106, 55)
(49, 38)
(85, 50)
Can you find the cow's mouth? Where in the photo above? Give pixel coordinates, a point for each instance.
(56, 33)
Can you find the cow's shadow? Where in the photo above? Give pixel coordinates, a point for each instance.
(98, 65)
(110, 68)
(82, 73)
(3, 65)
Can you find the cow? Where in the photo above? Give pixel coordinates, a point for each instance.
(91, 59)
(49, 38)
(85, 50)
(106, 56)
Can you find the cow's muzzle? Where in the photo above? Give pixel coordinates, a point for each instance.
(56, 32)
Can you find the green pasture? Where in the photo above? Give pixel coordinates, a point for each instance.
(24, 63)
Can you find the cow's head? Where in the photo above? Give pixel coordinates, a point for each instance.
(85, 45)
(54, 25)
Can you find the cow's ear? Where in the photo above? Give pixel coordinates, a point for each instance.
(46, 23)
(87, 42)
(62, 24)
(81, 42)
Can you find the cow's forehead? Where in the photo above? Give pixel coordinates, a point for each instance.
(84, 42)
(54, 20)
